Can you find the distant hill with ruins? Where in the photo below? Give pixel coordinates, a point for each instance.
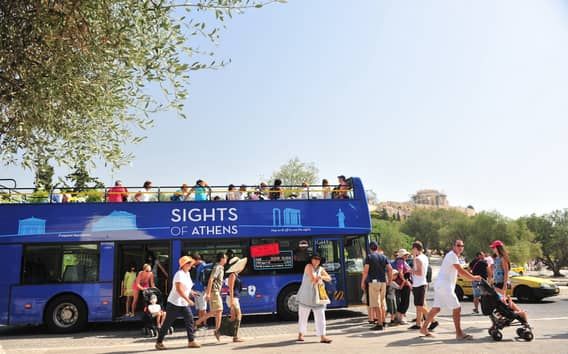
(426, 199)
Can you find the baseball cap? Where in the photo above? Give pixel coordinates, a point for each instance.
(496, 244)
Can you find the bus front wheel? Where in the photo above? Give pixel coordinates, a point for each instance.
(287, 305)
(65, 314)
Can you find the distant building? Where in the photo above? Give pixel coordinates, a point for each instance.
(423, 199)
(430, 197)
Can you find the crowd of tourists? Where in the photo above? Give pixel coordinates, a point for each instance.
(387, 286)
(201, 191)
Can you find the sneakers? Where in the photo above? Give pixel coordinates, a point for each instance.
(217, 335)
(476, 311)
(377, 328)
(193, 344)
(414, 327)
(160, 346)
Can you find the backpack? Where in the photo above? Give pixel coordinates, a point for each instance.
(429, 274)
(205, 273)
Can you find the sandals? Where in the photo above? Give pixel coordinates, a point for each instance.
(465, 337)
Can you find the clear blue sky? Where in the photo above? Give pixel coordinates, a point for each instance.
(469, 97)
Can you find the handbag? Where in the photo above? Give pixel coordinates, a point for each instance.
(364, 298)
(227, 327)
(321, 294)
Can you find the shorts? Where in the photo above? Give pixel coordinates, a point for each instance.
(446, 298)
(200, 303)
(419, 294)
(377, 293)
(476, 289)
(215, 303)
(498, 285)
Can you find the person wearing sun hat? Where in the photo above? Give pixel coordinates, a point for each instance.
(501, 266)
(236, 266)
(179, 303)
(403, 293)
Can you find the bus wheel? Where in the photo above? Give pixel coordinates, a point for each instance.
(66, 313)
(287, 305)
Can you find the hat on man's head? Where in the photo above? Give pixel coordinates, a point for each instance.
(402, 252)
(184, 260)
(237, 264)
(496, 244)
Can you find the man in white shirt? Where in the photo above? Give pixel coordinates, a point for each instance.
(444, 293)
(179, 303)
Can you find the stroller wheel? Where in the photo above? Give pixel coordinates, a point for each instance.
(171, 330)
(497, 335)
(528, 336)
(520, 332)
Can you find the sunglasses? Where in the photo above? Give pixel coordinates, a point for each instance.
(460, 245)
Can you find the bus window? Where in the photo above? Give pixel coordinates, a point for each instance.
(60, 263)
(293, 257)
(355, 253)
(208, 250)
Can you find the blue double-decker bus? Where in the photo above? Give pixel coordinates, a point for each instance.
(63, 263)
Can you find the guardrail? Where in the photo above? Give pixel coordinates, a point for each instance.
(174, 194)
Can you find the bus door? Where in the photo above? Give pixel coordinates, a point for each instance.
(331, 251)
(157, 254)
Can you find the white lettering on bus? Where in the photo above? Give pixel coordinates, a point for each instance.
(205, 214)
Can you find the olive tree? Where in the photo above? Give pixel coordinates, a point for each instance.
(75, 75)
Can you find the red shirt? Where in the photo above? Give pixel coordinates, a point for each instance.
(116, 193)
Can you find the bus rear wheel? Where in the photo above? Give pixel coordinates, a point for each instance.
(287, 305)
(65, 314)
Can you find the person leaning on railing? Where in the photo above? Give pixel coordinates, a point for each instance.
(118, 193)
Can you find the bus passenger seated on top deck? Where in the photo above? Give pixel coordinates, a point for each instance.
(276, 190)
(118, 193)
(326, 189)
(200, 190)
(145, 194)
(341, 191)
(181, 194)
(232, 193)
(305, 193)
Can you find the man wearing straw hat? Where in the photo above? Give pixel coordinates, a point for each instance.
(179, 303)
(236, 266)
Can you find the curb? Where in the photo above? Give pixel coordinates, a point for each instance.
(563, 290)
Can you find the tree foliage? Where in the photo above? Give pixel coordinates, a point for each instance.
(295, 172)
(80, 179)
(551, 232)
(439, 228)
(391, 238)
(75, 75)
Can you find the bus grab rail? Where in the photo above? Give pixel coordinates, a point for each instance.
(93, 194)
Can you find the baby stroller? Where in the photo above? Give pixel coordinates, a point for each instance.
(501, 315)
(150, 321)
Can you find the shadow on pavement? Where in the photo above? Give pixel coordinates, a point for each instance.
(285, 343)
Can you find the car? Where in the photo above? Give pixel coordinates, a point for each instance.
(522, 287)
(518, 269)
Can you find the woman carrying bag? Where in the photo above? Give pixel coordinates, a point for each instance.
(311, 297)
(236, 266)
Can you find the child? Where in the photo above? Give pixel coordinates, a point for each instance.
(391, 299)
(156, 311)
(507, 300)
(127, 291)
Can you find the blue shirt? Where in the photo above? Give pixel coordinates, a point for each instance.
(377, 267)
(200, 194)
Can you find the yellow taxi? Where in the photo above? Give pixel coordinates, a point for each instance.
(522, 287)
